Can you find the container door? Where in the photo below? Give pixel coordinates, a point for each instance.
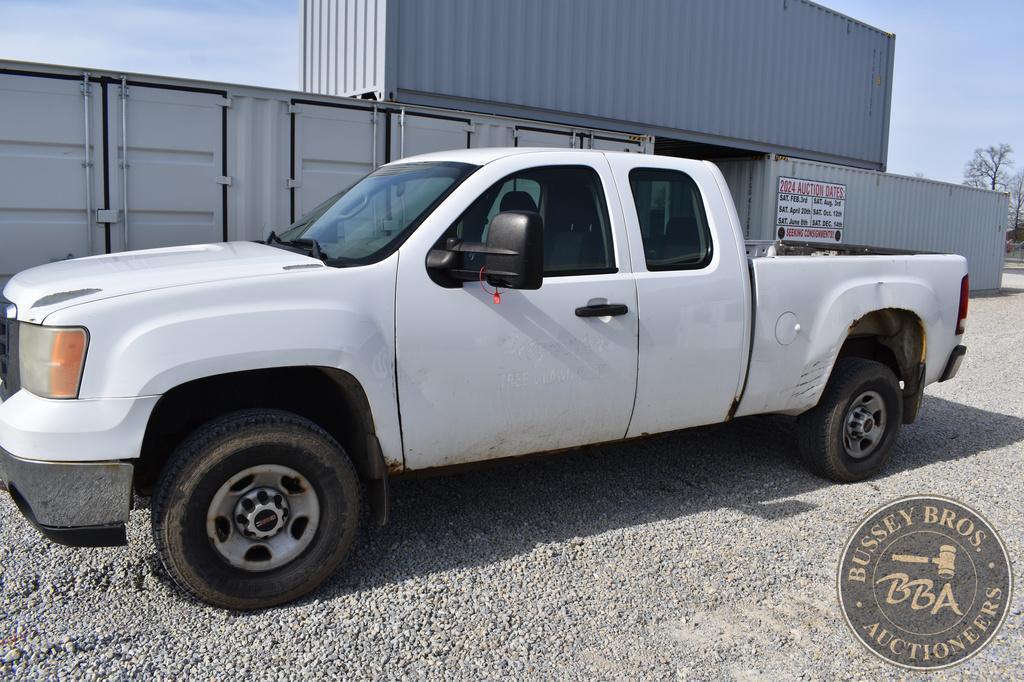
(43, 199)
(175, 177)
(414, 134)
(332, 150)
(611, 143)
(527, 136)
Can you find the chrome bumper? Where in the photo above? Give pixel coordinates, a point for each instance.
(81, 504)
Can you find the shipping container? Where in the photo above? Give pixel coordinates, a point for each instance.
(214, 161)
(205, 161)
(806, 200)
(780, 76)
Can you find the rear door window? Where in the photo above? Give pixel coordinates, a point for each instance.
(673, 223)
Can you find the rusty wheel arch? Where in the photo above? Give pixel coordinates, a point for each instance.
(897, 338)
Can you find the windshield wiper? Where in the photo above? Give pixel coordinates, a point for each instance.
(301, 244)
(312, 245)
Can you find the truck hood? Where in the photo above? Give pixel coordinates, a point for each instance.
(40, 291)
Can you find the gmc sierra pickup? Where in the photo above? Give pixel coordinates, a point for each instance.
(448, 308)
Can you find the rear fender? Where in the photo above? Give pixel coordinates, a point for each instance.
(790, 365)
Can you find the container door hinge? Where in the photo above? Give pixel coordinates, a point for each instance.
(224, 101)
(292, 183)
(223, 180)
(293, 108)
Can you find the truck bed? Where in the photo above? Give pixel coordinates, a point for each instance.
(806, 297)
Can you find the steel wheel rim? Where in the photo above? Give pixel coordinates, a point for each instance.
(864, 425)
(263, 517)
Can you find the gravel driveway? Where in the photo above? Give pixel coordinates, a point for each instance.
(706, 554)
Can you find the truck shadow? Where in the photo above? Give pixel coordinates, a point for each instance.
(485, 515)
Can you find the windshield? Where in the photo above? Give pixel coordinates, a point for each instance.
(373, 218)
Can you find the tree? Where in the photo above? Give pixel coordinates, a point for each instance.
(989, 168)
(1016, 188)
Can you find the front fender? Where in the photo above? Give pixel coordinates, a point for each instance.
(147, 343)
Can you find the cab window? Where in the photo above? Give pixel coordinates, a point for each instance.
(570, 199)
(673, 223)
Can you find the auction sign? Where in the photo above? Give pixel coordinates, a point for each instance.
(810, 210)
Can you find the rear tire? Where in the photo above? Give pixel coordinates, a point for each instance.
(255, 509)
(849, 435)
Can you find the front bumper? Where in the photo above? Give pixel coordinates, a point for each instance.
(68, 463)
(81, 504)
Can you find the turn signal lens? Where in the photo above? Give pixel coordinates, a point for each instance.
(51, 359)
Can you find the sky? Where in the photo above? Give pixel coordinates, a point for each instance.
(957, 82)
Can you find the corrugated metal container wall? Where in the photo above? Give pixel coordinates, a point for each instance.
(343, 46)
(206, 161)
(885, 210)
(786, 76)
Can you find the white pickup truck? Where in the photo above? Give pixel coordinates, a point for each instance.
(449, 308)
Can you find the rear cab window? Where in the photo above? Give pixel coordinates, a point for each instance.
(673, 221)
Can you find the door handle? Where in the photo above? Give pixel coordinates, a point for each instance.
(602, 310)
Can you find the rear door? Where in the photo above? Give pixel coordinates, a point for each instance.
(479, 380)
(692, 296)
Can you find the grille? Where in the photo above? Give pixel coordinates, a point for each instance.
(8, 349)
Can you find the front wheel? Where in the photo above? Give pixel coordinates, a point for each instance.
(849, 435)
(255, 509)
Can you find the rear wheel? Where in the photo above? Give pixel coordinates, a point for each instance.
(849, 435)
(255, 509)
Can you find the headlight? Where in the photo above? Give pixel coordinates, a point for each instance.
(50, 359)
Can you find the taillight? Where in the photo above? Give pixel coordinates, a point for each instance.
(961, 316)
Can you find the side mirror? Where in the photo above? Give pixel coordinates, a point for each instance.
(515, 250)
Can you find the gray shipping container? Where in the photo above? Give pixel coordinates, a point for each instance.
(214, 161)
(883, 210)
(782, 76)
(205, 161)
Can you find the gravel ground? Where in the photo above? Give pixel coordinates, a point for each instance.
(708, 554)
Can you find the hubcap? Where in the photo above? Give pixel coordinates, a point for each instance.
(261, 513)
(864, 425)
(263, 517)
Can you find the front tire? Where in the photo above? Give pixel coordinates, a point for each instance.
(849, 435)
(255, 509)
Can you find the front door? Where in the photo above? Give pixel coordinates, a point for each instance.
(480, 380)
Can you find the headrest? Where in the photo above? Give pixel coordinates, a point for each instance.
(518, 201)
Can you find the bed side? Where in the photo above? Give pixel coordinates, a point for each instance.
(807, 307)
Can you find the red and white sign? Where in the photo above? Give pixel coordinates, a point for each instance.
(810, 210)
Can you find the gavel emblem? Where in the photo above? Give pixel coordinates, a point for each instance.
(945, 561)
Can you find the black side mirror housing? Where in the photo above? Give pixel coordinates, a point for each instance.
(515, 250)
